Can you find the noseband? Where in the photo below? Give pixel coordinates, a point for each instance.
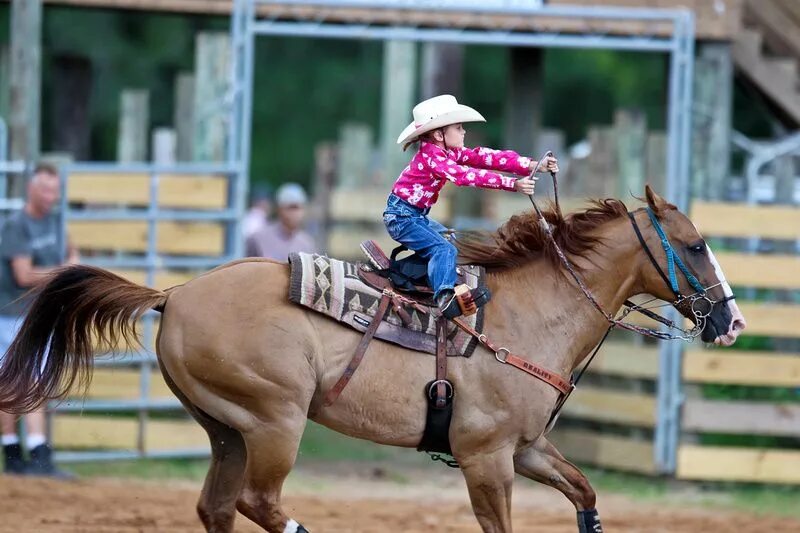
(698, 303)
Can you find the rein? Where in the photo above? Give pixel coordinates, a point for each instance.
(671, 281)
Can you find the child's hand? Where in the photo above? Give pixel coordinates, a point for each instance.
(549, 164)
(525, 185)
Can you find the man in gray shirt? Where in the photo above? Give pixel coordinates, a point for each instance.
(276, 240)
(30, 248)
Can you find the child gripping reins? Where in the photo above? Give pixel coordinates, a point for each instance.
(442, 157)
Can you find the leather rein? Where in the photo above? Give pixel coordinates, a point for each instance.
(699, 303)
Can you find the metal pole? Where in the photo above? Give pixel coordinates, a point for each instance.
(148, 336)
(669, 393)
(242, 42)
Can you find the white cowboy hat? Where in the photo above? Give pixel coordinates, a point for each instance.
(435, 113)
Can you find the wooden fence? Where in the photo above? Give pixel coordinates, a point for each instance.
(756, 374)
(122, 398)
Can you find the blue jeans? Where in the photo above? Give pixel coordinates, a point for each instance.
(410, 225)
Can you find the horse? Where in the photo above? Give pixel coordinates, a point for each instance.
(252, 368)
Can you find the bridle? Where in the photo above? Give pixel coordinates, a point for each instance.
(699, 303)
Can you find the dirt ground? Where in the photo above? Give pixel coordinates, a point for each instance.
(344, 501)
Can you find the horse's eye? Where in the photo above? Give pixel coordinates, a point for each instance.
(698, 248)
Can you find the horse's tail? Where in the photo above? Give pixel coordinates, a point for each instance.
(76, 309)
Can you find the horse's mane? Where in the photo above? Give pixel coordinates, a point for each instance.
(521, 239)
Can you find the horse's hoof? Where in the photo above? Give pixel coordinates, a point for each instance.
(589, 522)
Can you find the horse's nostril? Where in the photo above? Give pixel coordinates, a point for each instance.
(739, 324)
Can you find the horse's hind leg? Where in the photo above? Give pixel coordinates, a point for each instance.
(543, 463)
(271, 453)
(223, 484)
(225, 478)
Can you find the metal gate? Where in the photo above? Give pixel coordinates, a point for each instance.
(672, 34)
(159, 226)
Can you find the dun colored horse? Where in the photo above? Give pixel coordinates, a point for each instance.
(251, 367)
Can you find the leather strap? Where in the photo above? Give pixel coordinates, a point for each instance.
(650, 256)
(361, 349)
(505, 356)
(441, 361)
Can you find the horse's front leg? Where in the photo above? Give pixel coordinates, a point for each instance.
(489, 478)
(542, 462)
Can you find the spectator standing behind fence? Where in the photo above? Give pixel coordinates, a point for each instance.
(276, 240)
(29, 251)
(260, 210)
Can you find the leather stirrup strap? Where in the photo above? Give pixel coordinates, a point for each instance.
(441, 362)
(505, 356)
(361, 349)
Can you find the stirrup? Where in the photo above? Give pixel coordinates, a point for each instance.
(466, 301)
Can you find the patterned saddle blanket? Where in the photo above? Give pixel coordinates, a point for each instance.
(334, 288)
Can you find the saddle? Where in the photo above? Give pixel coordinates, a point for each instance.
(388, 297)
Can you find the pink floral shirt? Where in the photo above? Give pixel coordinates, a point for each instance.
(420, 182)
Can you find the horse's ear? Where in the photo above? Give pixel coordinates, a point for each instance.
(654, 201)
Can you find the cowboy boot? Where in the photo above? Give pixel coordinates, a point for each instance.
(41, 463)
(14, 462)
(462, 300)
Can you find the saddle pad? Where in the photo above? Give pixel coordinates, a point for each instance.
(332, 287)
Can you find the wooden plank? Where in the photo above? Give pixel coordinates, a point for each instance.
(743, 418)
(605, 450)
(397, 99)
(790, 8)
(603, 164)
(123, 383)
(738, 464)
(72, 431)
(163, 279)
(759, 270)
(183, 116)
(92, 431)
(134, 125)
(196, 191)
(367, 205)
(719, 21)
(164, 146)
(25, 91)
(344, 243)
(196, 238)
(771, 319)
(211, 88)
(631, 135)
(616, 407)
(523, 99)
(781, 29)
(713, 92)
(768, 79)
(742, 368)
(209, 7)
(656, 171)
(741, 220)
(626, 360)
(354, 160)
(504, 206)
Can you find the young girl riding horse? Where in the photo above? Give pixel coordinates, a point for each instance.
(438, 126)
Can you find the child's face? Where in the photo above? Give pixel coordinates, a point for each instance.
(454, 136)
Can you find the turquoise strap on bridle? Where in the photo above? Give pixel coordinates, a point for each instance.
(673, 258)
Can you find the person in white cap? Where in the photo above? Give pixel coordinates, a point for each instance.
(278, 239)
(442, 157)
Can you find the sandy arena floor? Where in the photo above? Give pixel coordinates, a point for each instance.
(342, 502)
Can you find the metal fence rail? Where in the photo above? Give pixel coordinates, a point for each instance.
(150, 261)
